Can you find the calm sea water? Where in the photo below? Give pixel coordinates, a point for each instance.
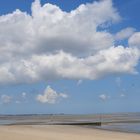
(123, 127)
(6, 122)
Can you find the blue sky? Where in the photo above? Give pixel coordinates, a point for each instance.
(57, 61)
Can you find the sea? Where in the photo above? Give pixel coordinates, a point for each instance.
(123, 127)
(122, 122)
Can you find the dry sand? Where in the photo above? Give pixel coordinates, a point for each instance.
(18, 132)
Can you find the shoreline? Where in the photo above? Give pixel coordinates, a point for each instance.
(61, 132)
(82, 126)
(90, 125)
(113, 130)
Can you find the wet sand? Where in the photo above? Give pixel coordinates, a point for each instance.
(60, 132)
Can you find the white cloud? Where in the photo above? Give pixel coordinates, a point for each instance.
(122, 95)
(62, 95)
(17, 102)
(104, 97)
(124, 33)
(52, 43)
(134, 40)
(64, 65)
(24, 95)
(50, 29)
(50, 96)
(6, 99)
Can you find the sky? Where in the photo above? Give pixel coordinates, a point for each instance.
(72, 57)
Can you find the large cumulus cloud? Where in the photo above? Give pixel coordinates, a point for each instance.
(51, 43)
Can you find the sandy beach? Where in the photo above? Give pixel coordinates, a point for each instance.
(59, 132)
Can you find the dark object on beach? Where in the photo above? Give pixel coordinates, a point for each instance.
(80, 123)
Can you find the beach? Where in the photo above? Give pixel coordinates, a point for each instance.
(61, 132)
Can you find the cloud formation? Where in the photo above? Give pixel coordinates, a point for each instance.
(54, 44)
(124, 33)
(24, 94)
(122, 95)
(5, 99)
(104, 97)
(134, 40)
(50, 96)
